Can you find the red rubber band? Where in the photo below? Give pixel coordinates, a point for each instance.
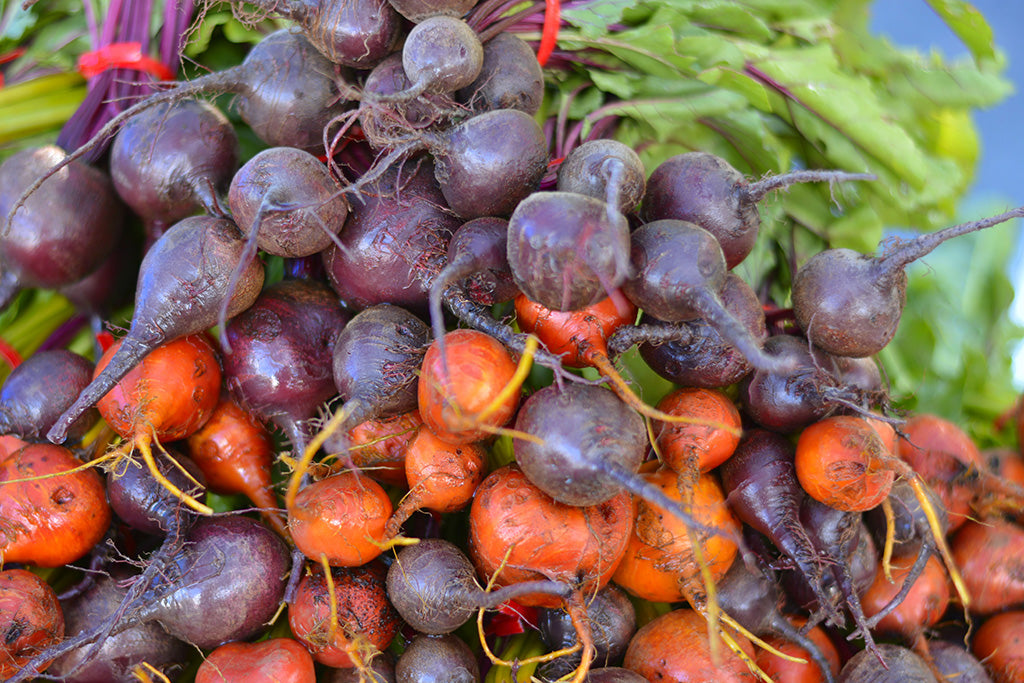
(105, 340)
(9, 354)
(122, 56)
(548, 38)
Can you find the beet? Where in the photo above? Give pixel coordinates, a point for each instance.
(900, 666)
(173, 160)
(612, 622)
(181, 290)
(437, 659)
(433, 586)
(286, 199)
(604, 169)
(510, 78)
(394, 241)
(36, 393)
(61, 232)
(564, 251)
(279, 368)
(119, 654)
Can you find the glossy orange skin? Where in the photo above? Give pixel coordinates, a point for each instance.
(990, 557)
(575, 335)
(999, 645)
(480, 368)
(365, 617)
(675, 647)
(378, 446)
(840, 461)
(684, 446)
(278, 660)
(53, 521)
(659, 564)
(235, 453)
(342, 517)
(924, 605)
(549, 540)
(940, 451)
(783, 671)
(31, 619)
(443, 476)
(172, 392)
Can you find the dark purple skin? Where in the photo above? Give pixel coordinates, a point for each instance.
(753, 600)
(787, 403)
(679, 274)
(434, 588)
(355, 33)
(224, 584)
(282, 348)
(582, 433)
(850, 304)
(863, 561)
(385, 119)
(478, 260)
(510, 78)
(141, 502)
(63, 231)
(382, 670)
(706, 190)
(490, 162)
(286, 198)
(437, 659)
(588, 448)
(441, 54)
(377, 358)
(36, 393)
(761, 488)
(704, 358)
(119, 654)
(394, 242)
(418, 10)
(174, 160)
(564, 252)
(613, 674)
(112, 284)
(183, 284)
(957, 664)
(835, 535)
(900, 666)
(605, 169)
(612, 620)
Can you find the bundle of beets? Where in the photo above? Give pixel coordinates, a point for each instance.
(433, 377)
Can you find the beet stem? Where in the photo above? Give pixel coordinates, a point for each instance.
(755, 192)
(908, 252)
(628, 336)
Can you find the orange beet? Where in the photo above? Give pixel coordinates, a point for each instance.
(54, 520)
(342, 517)
(784, 671)
(31, 619)
(659, 564)
(990, 556)
(675, 647)
(841, 461)
(479, 368)
(278, 660)
(999, 645)
(924, 605)
(704, 446)
(377, 447)
(581, 546)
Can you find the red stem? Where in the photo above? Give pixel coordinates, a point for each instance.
(549, 36)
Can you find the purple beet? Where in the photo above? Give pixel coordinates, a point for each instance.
(40, 389)
(437, 659)
(174, 160)
(60, 233)
(114, 660)
(182, 286)
(510, 77)
(394, 241)
(282, 347)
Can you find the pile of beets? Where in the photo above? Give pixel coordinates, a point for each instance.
(420, 437)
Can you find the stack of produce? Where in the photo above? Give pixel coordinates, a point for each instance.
(582, 306)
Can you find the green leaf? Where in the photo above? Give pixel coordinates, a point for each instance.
(968, 24)
(593, 18)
